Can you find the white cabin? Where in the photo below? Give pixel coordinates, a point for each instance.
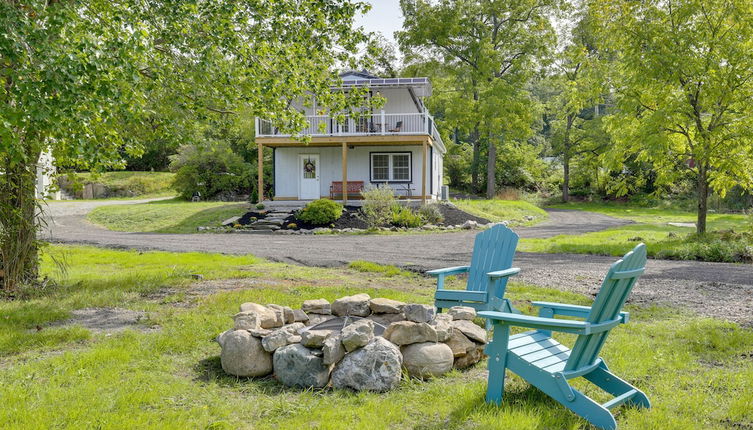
(398, 146)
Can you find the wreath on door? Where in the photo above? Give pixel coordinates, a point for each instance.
(309, 167)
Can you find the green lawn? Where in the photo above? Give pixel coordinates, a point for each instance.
(697, 372)
(726, 240)
(131, 184)
(514, 211)
(165, 216)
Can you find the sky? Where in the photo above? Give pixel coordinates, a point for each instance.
(385, 17)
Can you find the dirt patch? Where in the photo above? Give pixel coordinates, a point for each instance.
(107, 319)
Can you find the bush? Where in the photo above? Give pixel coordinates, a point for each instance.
(377, 206)
(403, 216)
(431, 214)
(321, 212)
(214, 171)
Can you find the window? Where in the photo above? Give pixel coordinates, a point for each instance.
(391, 167)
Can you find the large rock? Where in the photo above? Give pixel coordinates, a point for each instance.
(375, 367)
(357, 305)
(459, 344)
(279, 315)
(443, 325)
(221, 337)
(418, 313)
(243, 355)
(473, 356)
(333, 350)
(296, 365)
(407, 332)
(281, 337)
(357, 334)
(386, 306)
(246, 321)
(287, 313)
(314, 338)
(428, 359)
(267, 317)
(317, 306)
(300, 316)
(471, 330)
(462, 313)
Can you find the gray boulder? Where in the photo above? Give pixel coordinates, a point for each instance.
(315, 319)
(407, 332)
(281, 337)
(260, 332)
(300, 316)
(314, 338)
(385, 306)
(375, 367)
(418, 313)
(443, 325)
(296, 365)
(267, 317)
(243, 355)
(333, 350)
(357, 334)
(317, 306)
(462, 313)
(221, 337)
(428, 359)
(357, 305)
(287, 313)
(471, 330)
(459, 344)
(246, 321)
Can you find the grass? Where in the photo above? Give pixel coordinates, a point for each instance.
(132, 184)
(383, 269)
(514, 211)
(651, 226)
(697, 372)
(165, 216)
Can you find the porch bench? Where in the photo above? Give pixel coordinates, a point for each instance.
(354, 189)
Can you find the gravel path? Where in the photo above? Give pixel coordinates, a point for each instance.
(711, 289)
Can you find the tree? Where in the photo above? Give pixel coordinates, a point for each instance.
(489, 50)
(575, 128)
(71, 71)
(683, 79)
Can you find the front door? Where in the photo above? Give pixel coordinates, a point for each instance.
(308, 167)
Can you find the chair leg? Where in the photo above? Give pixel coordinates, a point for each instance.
(497, 352)
(614, 385)
(580, 404)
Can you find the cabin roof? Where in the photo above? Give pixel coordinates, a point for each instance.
(352, 78)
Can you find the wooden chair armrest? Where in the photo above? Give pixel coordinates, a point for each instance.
(504, 273)
(449, 271)
(567, 326)
(572, 310)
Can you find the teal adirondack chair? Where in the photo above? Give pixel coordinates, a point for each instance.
(493, 251)
(548, 365)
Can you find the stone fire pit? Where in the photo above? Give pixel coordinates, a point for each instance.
(355, 342)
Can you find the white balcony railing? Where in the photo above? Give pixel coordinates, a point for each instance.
(365, 125)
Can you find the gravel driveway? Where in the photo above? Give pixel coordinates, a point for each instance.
(712, 289)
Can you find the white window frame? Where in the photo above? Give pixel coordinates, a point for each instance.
(391, 167)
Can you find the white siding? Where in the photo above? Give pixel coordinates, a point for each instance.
(287, 175)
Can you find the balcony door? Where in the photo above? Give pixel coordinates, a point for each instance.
(308, 168)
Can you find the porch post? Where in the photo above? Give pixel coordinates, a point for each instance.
(260, 174)
(423, 172)
(345, 173)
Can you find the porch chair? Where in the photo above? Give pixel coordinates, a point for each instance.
(491, 266)
(397, 128)
(548, 365)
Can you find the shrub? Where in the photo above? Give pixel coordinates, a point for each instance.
(260, 206)
(214, 171)
(403, 216)
(321, 212)
(377, 206)
(292, 226)
(431, 214)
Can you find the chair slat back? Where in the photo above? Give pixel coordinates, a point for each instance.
(493, 249)
(614, 291)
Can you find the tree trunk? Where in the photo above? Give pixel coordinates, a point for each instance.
(703, 196)
(476, 159)
(491, 170)
(566, 179)
(19, 247)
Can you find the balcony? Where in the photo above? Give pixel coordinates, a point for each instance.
(381, 124)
